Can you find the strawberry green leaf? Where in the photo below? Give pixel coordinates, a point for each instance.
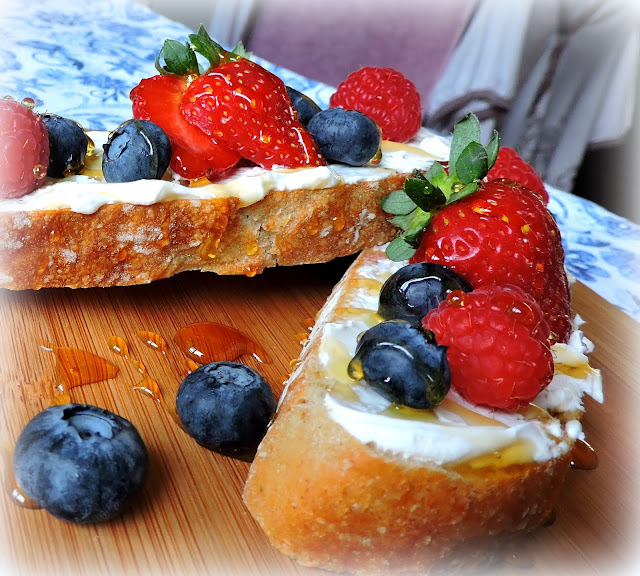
(240, 51)
(402, 220)
(492, 149)
(398, 250)
(417, 224)
(397, 203)
(472, 164)
(465, 131)
(203, 44)
(178, 59)
(436, 174)
(424, 194)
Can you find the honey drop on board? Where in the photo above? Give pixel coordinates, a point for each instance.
(153, 340)
(207, 342)
(76, 367)
(583, 456)
(119, 346)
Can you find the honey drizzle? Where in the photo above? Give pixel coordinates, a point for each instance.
(119, 346)
(147, 385)
(583, 456)
(209, 247)
(75, 367)
(206, 342)
(153, 340)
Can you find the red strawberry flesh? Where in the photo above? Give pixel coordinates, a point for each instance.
(511, 165)
(194, 153)
(500, 235)
(248, 108)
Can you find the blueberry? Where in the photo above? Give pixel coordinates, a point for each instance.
(81, 463)
(345, 136)
(305, 106)
(415, 289)
(136, 150)
(403, 364)
(67, 145)
(226, 407)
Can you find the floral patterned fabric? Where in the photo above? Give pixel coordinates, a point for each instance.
(81, 60)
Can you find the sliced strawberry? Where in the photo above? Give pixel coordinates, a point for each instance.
(194, 153)
(248, 108)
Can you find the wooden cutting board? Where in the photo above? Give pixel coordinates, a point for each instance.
(190, 519)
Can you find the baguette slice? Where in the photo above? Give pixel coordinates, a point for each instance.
(341, 482)
(243, 226)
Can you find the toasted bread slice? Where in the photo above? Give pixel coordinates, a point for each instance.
(347, 482)
(82, 232)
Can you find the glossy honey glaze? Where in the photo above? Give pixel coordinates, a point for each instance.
(521, 450)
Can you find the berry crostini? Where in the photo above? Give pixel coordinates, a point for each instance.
(252, 181)
(438, 398)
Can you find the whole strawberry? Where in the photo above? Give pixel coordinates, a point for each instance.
(24, 150)
(503, 234)
(491, 233)
(497, 345)
(511, 165)
(386, 96)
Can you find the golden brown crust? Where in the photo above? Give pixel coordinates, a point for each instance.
(123, 244)
(327, 500)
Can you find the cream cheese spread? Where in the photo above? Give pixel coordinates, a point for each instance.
(446, 436)
(87, 193)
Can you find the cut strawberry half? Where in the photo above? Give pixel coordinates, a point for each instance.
(194, 153)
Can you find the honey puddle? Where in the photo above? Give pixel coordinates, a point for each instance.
(75, 367)
(583, 456)
(206, 342)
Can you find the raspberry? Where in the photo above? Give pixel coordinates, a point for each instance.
(511, 165)
(386, 96)
(24, 150)
(498, 349)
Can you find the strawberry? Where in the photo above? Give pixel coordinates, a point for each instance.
(24, 149)
(503, 234)
(491, 233)
(248, 108)
(194, 154)
(386, 96)
(233, 104)
(497, 345)
(509, 164)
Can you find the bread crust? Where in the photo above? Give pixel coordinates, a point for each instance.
(124, 244)
(329, 501)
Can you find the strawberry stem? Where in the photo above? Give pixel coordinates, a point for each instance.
(182, 59)
(423, 195)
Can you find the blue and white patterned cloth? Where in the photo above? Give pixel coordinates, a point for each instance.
(81, 60)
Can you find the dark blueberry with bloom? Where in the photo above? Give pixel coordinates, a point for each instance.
(81, 463)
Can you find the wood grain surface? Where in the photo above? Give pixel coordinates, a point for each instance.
(190, 518)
